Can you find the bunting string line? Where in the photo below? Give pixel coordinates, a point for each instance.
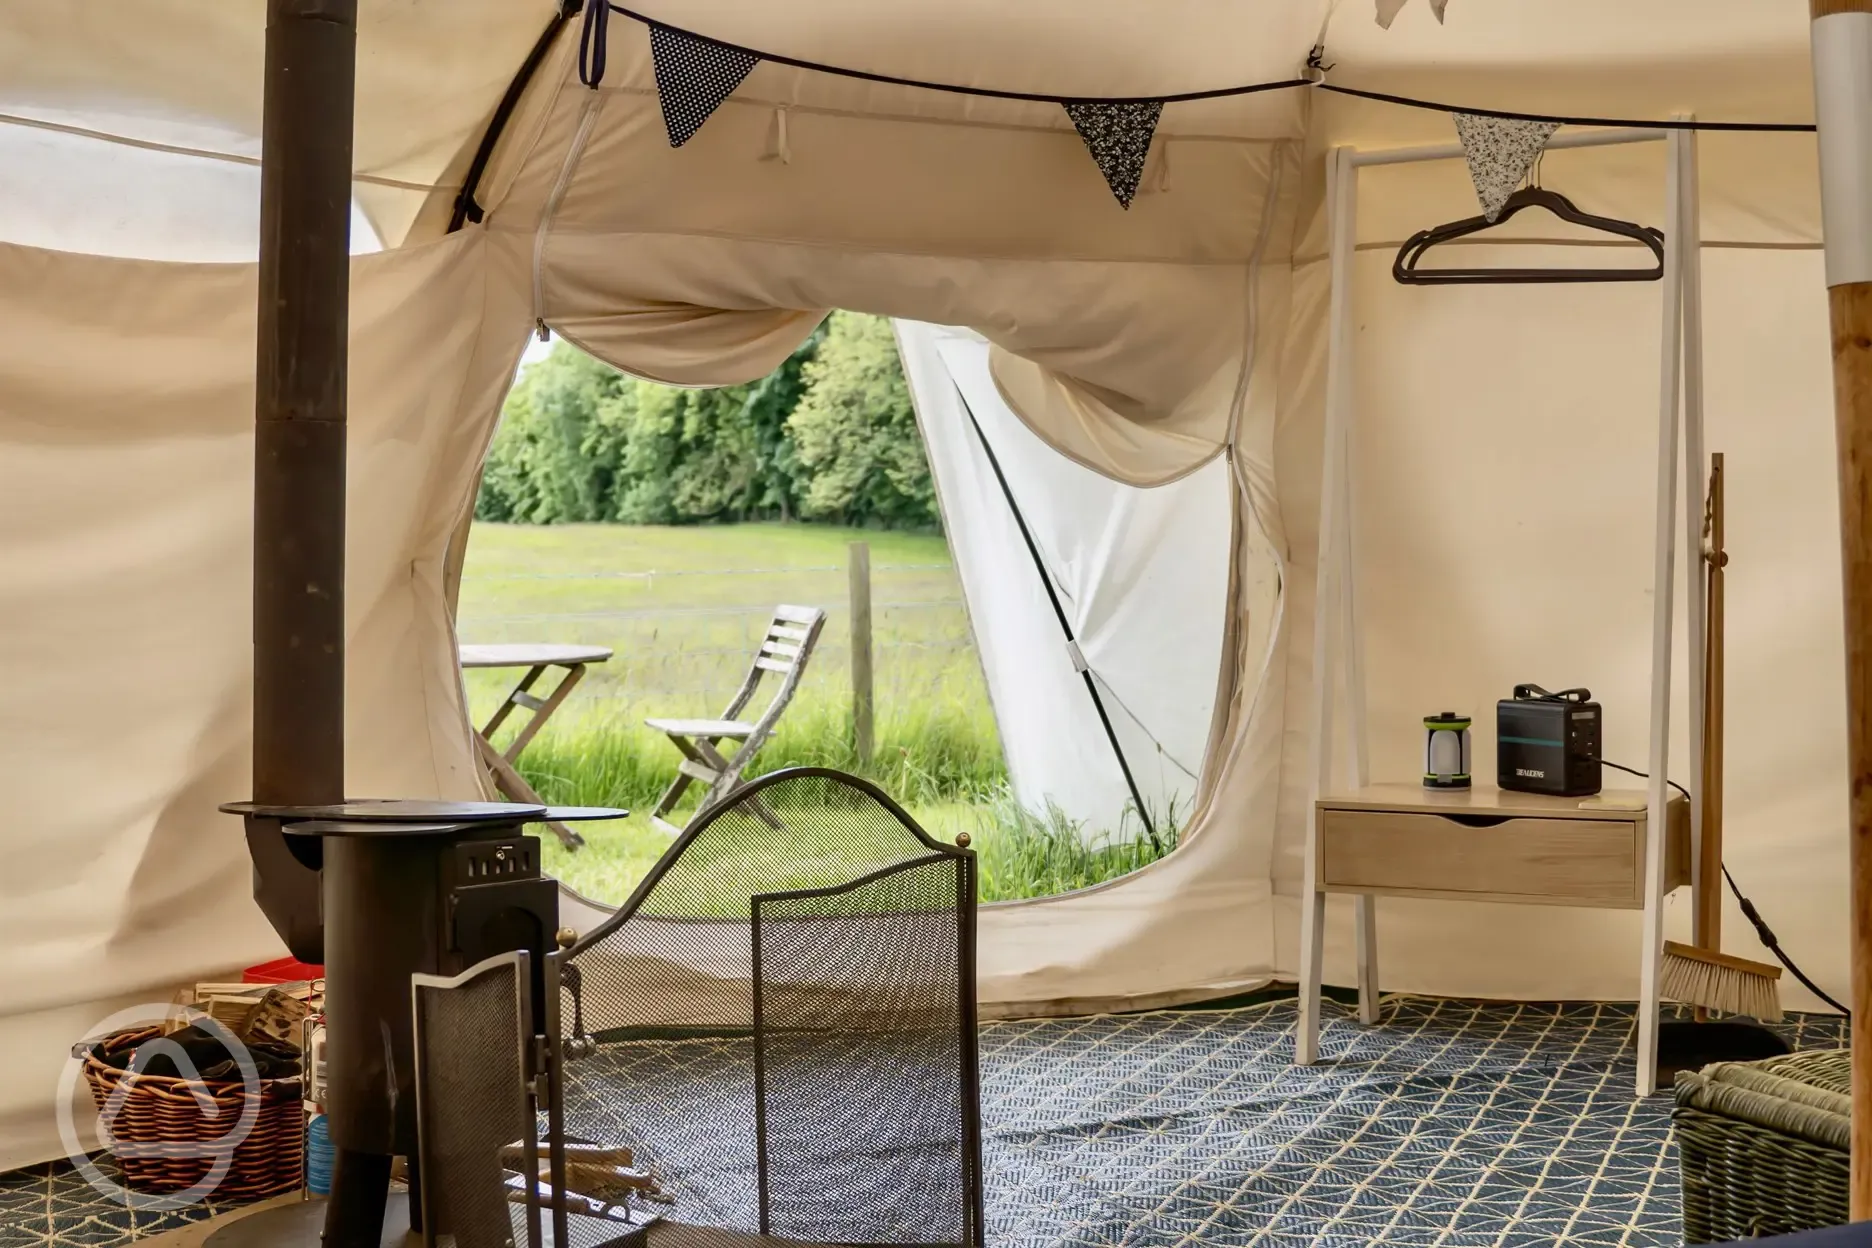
(1254, 88)
(992, 93)
(1631, 123)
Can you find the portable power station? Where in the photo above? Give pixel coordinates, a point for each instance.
(1548, 742)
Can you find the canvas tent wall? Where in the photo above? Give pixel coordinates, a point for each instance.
(1500, 424)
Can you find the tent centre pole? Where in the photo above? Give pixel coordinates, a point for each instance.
(1842, 76)
(299, 402)
(299, 469)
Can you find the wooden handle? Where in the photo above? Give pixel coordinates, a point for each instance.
(1842, 64)
(1852, 400)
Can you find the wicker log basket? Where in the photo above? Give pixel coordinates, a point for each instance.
(1764, 1146)
(163, 1118)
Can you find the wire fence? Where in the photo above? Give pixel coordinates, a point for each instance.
(943, 571)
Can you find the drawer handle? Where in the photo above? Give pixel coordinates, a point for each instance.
(1478, 821)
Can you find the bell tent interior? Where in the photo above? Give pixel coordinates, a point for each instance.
(1166, 312)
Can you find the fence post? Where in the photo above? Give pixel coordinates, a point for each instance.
(859, 561)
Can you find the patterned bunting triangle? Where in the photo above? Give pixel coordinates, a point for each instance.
(693, 77)
(1119, 138)
(1500, 151)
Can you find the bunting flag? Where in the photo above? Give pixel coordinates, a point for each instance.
(1119, 138)
(1389, 9)
(1500, 152)
(693, 77)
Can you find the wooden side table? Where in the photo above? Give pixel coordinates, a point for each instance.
(1481, 844)
(535, 659)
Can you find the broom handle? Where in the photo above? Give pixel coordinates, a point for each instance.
(1709, 902)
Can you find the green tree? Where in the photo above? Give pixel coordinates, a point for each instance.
(857, 433)
(830, 434)
(550, 462)
(779, 477)
(694, 456)
(688, 456)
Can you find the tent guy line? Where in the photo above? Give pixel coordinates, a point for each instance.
(598, 15)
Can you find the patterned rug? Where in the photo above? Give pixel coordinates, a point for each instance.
(1458, 1124)
(1461, 1124)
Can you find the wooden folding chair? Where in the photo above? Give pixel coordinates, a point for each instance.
(788, 642)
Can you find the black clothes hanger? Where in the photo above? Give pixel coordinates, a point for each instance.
(1405, 269)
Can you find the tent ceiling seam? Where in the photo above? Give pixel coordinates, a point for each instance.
(862, 249)
(958, 122)
(198, 153)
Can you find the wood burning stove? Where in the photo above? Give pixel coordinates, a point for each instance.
(772, 1041)
(408, 888)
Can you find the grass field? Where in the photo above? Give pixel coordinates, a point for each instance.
(683, 609)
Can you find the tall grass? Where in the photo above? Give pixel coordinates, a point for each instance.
(1021, 854)
(934, 751)
(938, 759)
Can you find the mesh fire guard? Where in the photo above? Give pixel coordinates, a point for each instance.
(773, 1038)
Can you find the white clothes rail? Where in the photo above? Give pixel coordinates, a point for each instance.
(1337, 638)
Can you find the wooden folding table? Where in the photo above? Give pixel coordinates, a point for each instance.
(535, 659)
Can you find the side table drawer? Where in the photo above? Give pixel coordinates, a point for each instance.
(1562, 861)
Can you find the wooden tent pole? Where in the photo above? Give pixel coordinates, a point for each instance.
(1842, 72)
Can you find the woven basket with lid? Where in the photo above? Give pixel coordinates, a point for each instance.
(1764, 1146)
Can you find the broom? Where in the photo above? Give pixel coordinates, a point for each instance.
(1701, 974)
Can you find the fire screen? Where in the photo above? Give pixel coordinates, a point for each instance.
(778, 1028)
(476, 1116)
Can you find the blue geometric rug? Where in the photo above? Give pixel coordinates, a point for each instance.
(1455, 1124)
(1458, 1124)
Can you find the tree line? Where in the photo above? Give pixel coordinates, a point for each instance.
(829, 436)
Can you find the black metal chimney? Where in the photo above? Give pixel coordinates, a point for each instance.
(299, 500)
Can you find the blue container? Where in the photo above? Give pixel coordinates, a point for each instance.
(318, 1156)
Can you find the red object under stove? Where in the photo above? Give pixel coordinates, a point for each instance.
(282, 971)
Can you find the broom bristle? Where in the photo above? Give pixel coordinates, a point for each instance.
(1718, 982)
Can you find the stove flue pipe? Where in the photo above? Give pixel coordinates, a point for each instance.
(299, 517)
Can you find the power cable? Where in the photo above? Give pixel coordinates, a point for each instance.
(1766, 934)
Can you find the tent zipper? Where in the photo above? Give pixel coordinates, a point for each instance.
(587, 120)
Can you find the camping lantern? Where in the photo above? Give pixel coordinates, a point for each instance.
(1446, 751)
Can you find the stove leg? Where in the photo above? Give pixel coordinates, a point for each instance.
(414, 1170)
(360, 1186)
